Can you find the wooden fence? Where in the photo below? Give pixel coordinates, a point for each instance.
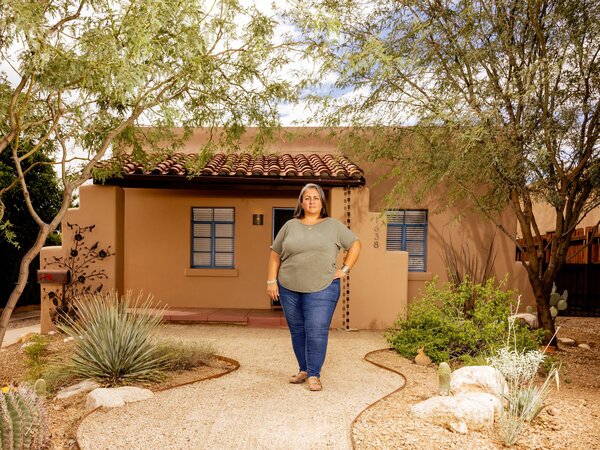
(580, 276)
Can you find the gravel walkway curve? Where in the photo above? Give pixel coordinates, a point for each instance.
(254, 407)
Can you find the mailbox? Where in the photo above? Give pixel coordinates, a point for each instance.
(54, 276)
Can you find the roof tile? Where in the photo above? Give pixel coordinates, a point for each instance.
(247, 165)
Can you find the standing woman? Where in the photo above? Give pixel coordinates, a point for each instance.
(302, 274)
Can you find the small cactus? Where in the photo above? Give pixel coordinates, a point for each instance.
(22, 423)
(557, 301)
(444, 373)
(40, 388)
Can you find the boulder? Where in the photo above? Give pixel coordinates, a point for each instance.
(115, 397)
(461, 413)
(584, 346)
(478, 379)
(79, 388)
(568, 342)
(530, 319)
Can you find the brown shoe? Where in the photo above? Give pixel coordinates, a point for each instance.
(314, 384)
(299, 378)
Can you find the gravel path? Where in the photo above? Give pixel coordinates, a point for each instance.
(254, 407)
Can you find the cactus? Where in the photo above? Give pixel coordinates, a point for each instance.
(444, 373)
(529, 310)
(22, 424)
(557, 301)
(40, 388)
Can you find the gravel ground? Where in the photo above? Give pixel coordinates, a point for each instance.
(254, 407)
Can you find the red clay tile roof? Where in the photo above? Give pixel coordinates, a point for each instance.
(232, 165)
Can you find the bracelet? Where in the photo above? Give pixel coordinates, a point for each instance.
(345, 269)
(271, 281)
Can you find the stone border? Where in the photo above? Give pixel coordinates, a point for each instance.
(233, 362)
(366, 358)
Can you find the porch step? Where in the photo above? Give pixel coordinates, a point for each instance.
(257, 318)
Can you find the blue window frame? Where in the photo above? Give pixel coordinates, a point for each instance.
(407, 231)
(213, 237)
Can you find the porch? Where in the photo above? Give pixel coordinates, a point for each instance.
(256, 318)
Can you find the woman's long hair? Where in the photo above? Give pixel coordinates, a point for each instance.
(299, 212)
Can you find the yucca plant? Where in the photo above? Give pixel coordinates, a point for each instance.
(116, 339)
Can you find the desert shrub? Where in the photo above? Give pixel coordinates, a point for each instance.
(438, 323)
(524, 397)
(35, 352)
(115, 339)
(181, 355)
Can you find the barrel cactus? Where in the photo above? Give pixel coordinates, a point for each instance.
(22, 422)
(557, 302)
(444, 373)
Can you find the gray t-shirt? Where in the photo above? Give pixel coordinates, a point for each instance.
(309, 253)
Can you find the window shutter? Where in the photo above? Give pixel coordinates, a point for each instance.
(407, 231)
(213, 237)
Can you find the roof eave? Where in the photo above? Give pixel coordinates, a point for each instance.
(216, 182)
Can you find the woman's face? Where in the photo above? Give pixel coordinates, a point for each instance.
(311, 202)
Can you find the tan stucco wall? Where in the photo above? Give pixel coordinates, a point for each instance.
(101, 206)
(157, 248)
(379, 280)
(151, 229)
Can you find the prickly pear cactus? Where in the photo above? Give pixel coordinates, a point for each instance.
(444, 373)
(22, 424)
(557, 301)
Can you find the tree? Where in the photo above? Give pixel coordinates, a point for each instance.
(46, 197)
(496, 100)
(90, 74)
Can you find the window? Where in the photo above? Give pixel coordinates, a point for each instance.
(407, 231)
(212, 237)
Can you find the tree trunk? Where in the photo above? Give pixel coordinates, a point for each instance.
(542, 299)
(22, 280)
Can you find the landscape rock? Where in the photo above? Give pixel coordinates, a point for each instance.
(461, 413)
(52, 333)
(567, 341)
(530, 319)
(584, 346)
(79, 388)
(115, 397)
(478, 379)
(422, 359)
(68, 339)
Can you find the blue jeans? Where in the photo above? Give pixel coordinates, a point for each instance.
(309, 316)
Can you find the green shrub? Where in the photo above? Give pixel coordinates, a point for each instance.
(36, 351)
(181, 355)
(115, 339)
(440, 324)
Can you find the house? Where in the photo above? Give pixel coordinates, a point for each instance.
(203, 241)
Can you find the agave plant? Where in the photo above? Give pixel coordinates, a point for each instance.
(116, 339)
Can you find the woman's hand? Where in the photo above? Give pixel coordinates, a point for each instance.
(339, 274)
(272, 270)
(273, 291)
